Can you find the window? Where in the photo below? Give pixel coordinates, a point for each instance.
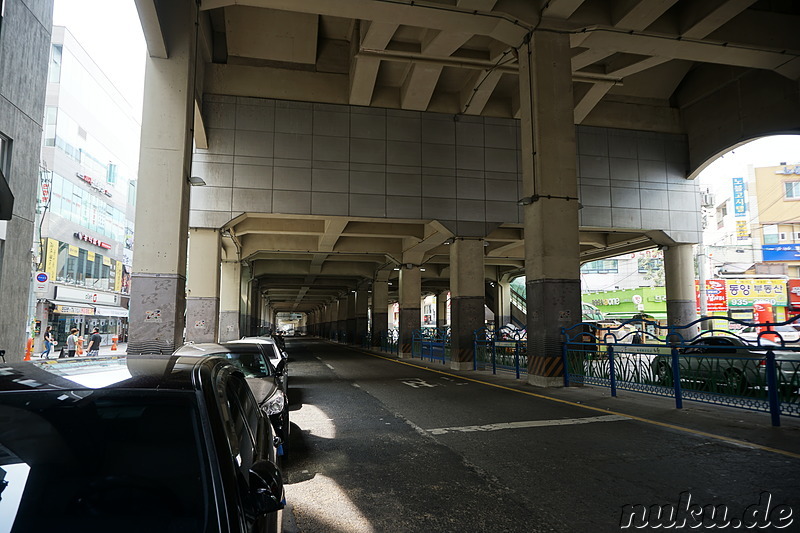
(604, 266)
(792, 190)
(650, 265)
(55, 63)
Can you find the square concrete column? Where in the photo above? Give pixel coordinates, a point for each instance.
(550, 189)
(229, 291)
(362, 316)
(158, 282)
(410, 306)
(380, 310)
(350, 321)
(441, 309)
(203, 284)
(679, 278)
(504, 304)
(467, 299)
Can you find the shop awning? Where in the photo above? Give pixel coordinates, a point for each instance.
(72, 308)
(102, 310)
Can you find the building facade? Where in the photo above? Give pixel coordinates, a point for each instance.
(90, 150)
(25, 27)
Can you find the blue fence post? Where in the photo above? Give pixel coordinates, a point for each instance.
(772, 389)
(474, 350)
(563, 358)
(494, 356)
(516, 356)
(676, 378)
(612, 370)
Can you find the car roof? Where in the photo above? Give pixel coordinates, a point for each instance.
(162, 372)
(253, 340)
(210, 348)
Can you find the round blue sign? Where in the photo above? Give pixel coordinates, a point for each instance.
(41, 277)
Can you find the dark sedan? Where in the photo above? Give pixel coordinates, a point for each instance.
(146, 443)
(264, 380)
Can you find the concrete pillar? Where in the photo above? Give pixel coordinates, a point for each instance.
(380, 310)
(245, 294)
(362, 316)
(441, 309)
(410, 306)
(679, 277)
(203, 284)
(350, 321)
(158, 282)
(550, 189)
(229, 296)
(341, 316)
(467, 299)
(503, 304)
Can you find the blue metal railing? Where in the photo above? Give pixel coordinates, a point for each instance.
(431, 343)
(504, 349)
(390, 342)
(715, 366)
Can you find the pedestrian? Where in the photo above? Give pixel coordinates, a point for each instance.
(48, 342)
(72, 341)
(94, 343)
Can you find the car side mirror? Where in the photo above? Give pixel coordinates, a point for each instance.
(266, 488)
(280, 368)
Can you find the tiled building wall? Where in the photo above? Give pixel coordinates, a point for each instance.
(273, 156)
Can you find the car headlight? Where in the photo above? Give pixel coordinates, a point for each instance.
(276, 403)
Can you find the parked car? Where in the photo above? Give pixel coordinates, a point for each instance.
(273, 352)
(264, 380)
(131, 444)
(727, 364)
(788, 332)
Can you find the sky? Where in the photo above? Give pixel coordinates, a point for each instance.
(765, 152)
(110, 32)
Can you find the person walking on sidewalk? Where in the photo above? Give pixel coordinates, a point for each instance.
(72, 340)
(48, 342)
(94, 343)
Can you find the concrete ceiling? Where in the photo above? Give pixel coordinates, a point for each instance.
(635, 63)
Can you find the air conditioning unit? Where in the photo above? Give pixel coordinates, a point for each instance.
(707, 199)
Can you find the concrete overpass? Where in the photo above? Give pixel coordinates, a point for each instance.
(407, 147)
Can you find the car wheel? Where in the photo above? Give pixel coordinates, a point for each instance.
(735, 381)
(664, 374)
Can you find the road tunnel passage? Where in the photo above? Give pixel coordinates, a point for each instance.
(385, 451)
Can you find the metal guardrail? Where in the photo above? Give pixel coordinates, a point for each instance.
(431, 343)
(390, 341)
(716, 366)
(504, 350)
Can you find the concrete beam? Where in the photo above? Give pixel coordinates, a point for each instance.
(151, 27)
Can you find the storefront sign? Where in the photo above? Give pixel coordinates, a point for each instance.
(51, 258)
(716, 295)
(117, 277)
(791, 169)
(92, 240)
(746, 292)
(77, 295)
(742, 229)
(73, 310)
(781, 252)
(74, 251)
(739, 203)
(794, 292)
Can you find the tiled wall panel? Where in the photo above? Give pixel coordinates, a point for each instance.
(298, 158)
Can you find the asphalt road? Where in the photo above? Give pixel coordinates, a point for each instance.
(379, 445)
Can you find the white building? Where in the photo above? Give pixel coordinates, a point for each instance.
(90, 149)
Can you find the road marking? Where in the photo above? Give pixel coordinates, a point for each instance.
(356, 385)
(329, 366)
(528, 424)
(417, 383)
(729, 440)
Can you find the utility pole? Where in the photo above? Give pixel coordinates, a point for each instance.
(702, 290)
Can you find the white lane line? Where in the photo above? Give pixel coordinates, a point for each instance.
(329, 366)
(528, 424)
(356, 385)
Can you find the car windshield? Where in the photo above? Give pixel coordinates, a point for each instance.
(102, 460)
(252, 363)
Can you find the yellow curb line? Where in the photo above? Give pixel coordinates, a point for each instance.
(605, 411)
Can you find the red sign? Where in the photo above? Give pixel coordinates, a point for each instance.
(793, 286)
(716, 295)
(92, 240)
(45, 192)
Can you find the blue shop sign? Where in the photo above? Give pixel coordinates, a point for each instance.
(781, 252)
